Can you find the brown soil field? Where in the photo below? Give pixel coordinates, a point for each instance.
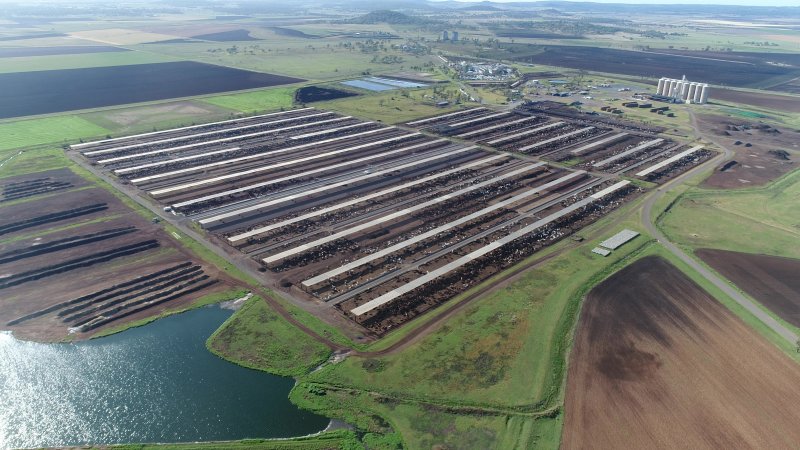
(38, 294)
(658, 363)
(40, 183)
(73, 200)
(755, 165)
(772, 280)
(759, 99)
(792, 86)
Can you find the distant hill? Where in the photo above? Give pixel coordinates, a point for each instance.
(390, 17)
(483, 6)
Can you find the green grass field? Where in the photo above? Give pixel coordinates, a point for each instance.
(339, 439)
(156, 116)
(302, 58)
(47, 130)
(389, 107)
(256, 101)
(30, 161)
(759, 220)
(389, 423)
(259, 338)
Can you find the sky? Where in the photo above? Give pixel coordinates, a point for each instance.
(683, 2)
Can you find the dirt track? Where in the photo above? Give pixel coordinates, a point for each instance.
(771, 280)
(658, 363)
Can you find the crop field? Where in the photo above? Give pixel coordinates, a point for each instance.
(80, 262)
(772, 280)
(590, 145)
(239, 35)
(792, 86)
(729, 72)
(651, 350)
(378, 223)
(80, 61)
(121, 36)
(30, 93)
(16, 52)
(761, 99)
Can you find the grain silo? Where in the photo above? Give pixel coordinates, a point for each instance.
(692, 91)
(673, 86)
(704, 94)
(661, 82)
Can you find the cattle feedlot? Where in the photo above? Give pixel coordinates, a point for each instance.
(383, 223)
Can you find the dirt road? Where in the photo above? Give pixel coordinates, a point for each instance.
(725, 287)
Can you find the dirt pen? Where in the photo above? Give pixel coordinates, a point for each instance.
(658, 363)
(79, 261)
(763, 152)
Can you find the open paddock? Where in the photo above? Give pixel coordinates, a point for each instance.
(341, 211)
(20, 219)
(59, 251)
(762, 152)
(40, 183)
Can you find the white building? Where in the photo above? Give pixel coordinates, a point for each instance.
(683, 90)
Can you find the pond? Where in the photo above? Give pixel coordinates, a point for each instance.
(156, 383)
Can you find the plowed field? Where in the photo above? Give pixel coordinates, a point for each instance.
(658, 363)
(771, 280)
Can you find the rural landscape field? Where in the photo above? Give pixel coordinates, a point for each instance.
(399, 225)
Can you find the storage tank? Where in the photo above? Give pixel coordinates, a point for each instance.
(697, 93)
(684, 89)
(661, 82)
(692, 92)
(673, 84)
(704, 94)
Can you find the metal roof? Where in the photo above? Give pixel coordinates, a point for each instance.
(616, 241)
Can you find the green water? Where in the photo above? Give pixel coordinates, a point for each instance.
(156, 383)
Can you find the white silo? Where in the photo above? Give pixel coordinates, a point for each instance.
(704, 94)
(684, 89)
(697, 93)
(692, 92)
(673, 84)
(662, 82)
